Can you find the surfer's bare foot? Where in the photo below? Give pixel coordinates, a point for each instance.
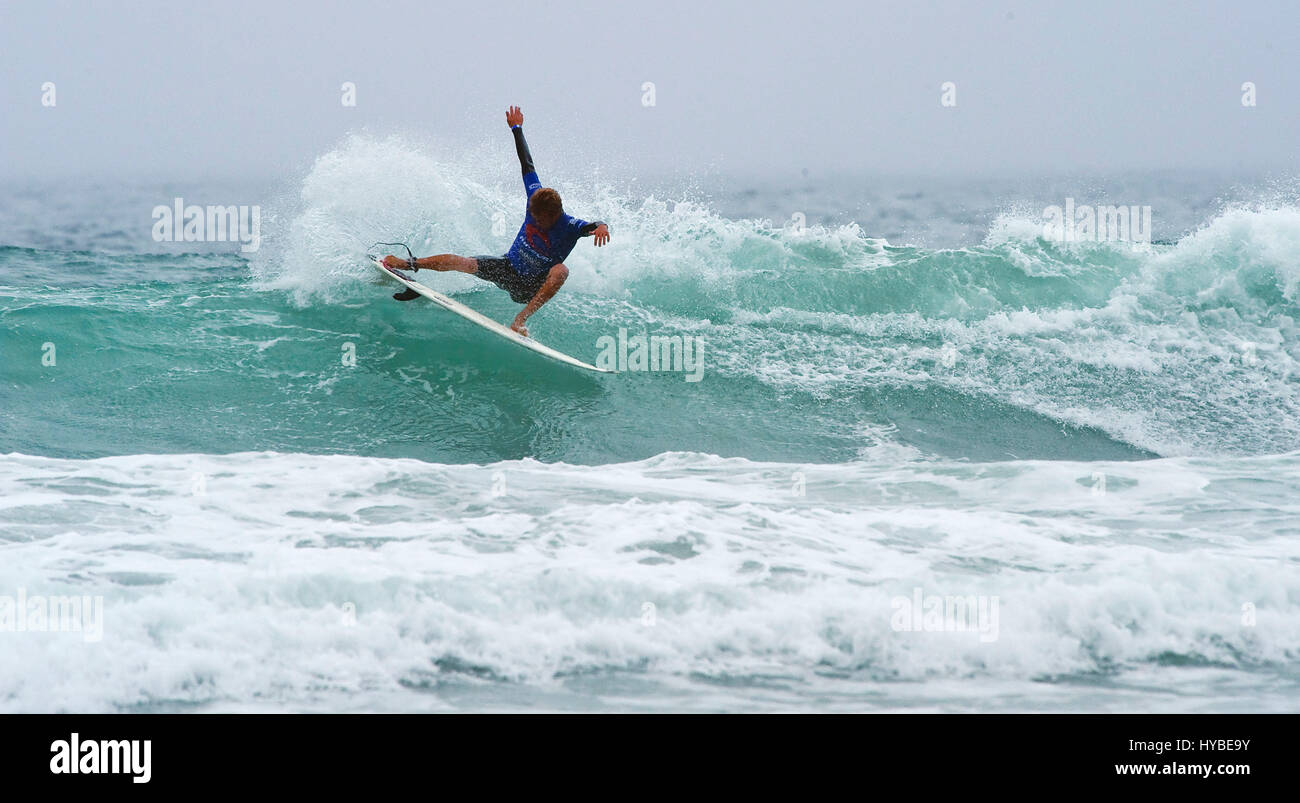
(393, 261)
(519, 327)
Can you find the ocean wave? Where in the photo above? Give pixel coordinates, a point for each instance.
(814, 335)
(303, 582)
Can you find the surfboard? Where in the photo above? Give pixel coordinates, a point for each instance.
(487, 323)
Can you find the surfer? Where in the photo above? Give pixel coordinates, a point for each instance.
(533, 270)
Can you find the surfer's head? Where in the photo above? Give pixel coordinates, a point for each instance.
(546, 207)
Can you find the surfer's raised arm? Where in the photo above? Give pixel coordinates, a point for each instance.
(515, 119)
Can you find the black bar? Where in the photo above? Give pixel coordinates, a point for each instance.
(914, 753)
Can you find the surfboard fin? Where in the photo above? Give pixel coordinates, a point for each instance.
(406, 295)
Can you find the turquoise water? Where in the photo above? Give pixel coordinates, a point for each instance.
(216, 364)
(295, 493)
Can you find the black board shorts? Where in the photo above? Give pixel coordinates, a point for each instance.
(500, 272)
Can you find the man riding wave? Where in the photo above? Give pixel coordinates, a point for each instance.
(533, 270)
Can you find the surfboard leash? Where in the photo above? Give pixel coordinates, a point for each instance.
(411, 257)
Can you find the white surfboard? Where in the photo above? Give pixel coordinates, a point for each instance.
(482, 320)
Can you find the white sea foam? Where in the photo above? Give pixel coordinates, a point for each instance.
(292, 582)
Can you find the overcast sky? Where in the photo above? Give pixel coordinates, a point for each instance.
(252, 89)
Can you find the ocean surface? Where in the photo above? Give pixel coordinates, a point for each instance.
(291, 493)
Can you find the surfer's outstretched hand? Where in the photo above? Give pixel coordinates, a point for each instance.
(519, 327)
(514, 117)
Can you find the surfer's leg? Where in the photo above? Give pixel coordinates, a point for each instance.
(445, 262)
(440, 262)
(554, 281)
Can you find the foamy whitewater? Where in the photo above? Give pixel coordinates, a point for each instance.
(933, 461)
